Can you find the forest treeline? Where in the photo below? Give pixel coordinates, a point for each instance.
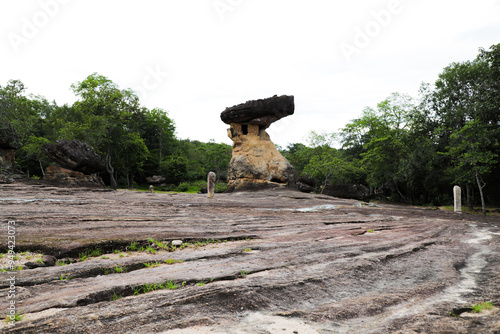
(414, 151)
(134, 141)
(408, 150)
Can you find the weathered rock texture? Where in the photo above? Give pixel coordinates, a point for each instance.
(293, 262)
(256, 163)
(7, 157)
(75, 155)
(79, 163)
(260, 112)
(67, 176)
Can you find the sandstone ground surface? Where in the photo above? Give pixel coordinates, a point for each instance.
(273, 261)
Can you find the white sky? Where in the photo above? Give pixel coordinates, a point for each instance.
(194, 58)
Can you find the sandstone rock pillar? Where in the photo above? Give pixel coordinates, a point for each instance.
(457, 199)
(211, 184)
(256, 163)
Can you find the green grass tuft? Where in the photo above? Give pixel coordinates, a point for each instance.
(477, 308)
(17, 317)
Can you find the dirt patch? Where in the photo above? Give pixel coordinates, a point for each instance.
(266, 262)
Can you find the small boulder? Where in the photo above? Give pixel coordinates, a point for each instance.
(49, 260)
(177, 243)
(351, 191)
(305, 188)
(33, 265)
(156, 180)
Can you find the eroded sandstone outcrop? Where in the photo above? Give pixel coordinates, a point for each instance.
(8, 146)
(75, 155)
(79, 162)
(256, 163)
(59, 174)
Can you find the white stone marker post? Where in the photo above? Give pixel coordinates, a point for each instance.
(457, 196)
(211, 184)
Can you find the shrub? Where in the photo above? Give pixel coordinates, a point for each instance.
(220, 188)
(184, 186)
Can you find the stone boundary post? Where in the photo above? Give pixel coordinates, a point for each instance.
(457, 199)
(211, 184)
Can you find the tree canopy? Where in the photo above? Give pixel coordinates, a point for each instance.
(134, 141)
(414, 151)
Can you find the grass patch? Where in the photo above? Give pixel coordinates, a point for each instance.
(115, 296)
(370, 231)
(95, 252)
(151, 264)
(167, 285)
(63, 277)
(478, 308)
(476, 210)
(114, 270)
(120, 270)
(192, 187)
(14, 318)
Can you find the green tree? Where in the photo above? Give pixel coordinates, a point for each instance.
(381, 138)
(472, 152)
(216, 158)
(158, 132)
(330, 169)
(32, 149)
(464, 99)
(488, 97)
(174, 168)
(16, 113)
(298, 155)
(133, 153)
(101, 117)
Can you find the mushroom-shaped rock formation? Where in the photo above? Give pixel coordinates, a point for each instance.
(256, 163)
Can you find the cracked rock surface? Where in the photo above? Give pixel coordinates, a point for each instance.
(274, 261)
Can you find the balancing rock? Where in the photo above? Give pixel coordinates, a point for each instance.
(256, 164)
